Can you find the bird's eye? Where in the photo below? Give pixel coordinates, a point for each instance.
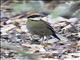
(33, 16)
(32, 20)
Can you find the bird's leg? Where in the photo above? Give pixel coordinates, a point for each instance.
(42, 40)
(31, 37)
(45, 39)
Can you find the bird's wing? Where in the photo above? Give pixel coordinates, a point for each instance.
(48, 26)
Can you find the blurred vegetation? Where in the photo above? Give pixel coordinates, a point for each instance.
(30, 6)
(66, 10)
(55, 8)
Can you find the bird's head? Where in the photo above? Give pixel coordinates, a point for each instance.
(35, 16)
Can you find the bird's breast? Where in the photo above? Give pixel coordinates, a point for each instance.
(38, 28)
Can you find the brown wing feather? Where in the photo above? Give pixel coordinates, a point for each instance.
(49, 27)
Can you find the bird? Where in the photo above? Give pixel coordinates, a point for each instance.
(37, 26)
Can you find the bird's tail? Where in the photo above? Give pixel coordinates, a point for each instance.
(56, 36)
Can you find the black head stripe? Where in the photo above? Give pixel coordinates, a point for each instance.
(33, 16)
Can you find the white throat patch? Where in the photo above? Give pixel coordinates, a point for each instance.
(37, 18)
